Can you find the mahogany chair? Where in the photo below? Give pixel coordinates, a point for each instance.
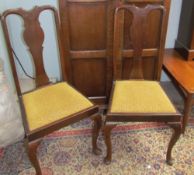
(50, 106)
(138, 99)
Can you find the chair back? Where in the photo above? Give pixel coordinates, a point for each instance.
(138, 26)
(33, 36)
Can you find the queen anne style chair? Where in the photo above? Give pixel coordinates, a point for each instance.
(50, 106)
(137, 99)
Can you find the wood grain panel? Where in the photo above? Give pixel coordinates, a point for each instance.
(88, 54)
(91, 79)
(148, 67)
(87, 24)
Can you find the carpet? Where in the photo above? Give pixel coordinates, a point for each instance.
(138, 149)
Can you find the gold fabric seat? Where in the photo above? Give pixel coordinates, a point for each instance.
(140, 97)
(52, 103)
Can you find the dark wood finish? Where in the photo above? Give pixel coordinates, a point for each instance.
(34, 36)
(185, 40)
(175, 137)
(137, 34)
(181, 72)
(35, 47)
(187, 110)
(88, 45)
(152, 64)
(31, 148)
(96, 130)
(107, 134)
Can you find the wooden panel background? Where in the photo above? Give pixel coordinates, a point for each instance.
(87, 34)
(87, 40)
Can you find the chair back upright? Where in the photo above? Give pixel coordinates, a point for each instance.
(33, 36)
(137, 32)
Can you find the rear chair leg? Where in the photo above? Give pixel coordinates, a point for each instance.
(95, 133)
(107, 135)
(32, 154)
(174, 138)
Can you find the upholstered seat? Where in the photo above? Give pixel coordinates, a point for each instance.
(52, 103)
(140, 97)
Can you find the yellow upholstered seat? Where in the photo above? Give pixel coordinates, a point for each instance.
(140, 97)
(52, 103)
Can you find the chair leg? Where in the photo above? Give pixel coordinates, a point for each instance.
(95, 133)
(107, 135)
(177, 132)
(32, 151)
(187, 111)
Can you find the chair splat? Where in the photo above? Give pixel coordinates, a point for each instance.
(137, 34)
(33, 36)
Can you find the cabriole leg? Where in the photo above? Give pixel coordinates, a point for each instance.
(32, 153)
(95, 133)
(177, 132)
(107, 135)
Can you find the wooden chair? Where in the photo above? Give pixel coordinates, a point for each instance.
(137, 99)
(50, 106)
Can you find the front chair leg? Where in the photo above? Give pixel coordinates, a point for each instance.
(174, 138)
(107, 135)
(95, 133)
(32, 154)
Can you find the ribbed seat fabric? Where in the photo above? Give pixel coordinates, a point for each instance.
(140, 97)
(52, 103)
